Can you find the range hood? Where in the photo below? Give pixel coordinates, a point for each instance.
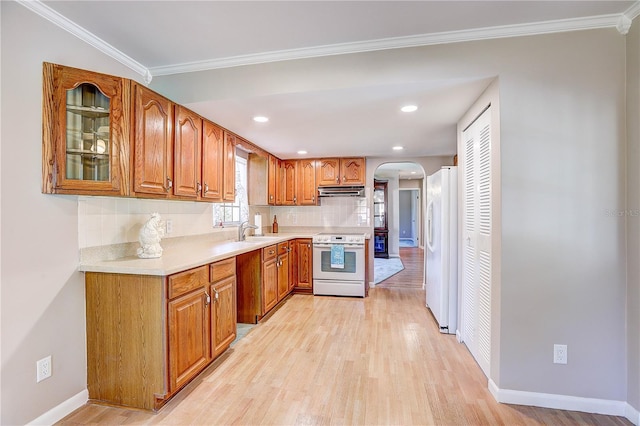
(341, 191)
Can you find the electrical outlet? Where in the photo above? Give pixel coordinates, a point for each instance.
(43, 369)
(169, 226)
(559, 354)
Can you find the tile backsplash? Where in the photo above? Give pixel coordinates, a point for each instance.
(108, 220)
(333, 212)
(104, 221)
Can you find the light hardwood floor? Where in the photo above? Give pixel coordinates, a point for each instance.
(331, 360)
(412, 275)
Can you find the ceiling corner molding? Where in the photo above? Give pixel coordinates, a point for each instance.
(39, 8)
(633, 12)
(538, 28)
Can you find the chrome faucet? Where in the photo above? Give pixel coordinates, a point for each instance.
(243, 227)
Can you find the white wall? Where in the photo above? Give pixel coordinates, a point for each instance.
(633, 218)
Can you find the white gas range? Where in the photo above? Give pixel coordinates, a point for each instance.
(339, 264)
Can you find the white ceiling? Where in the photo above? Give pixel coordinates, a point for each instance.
(172, 37)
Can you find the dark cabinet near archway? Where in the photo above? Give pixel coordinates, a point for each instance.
(380, 229)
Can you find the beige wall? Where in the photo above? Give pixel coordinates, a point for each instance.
(563, 171)
(563, 276)
(633, 219)
(42, 307)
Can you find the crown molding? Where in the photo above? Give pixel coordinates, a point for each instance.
(71, 27)
(633, 12)
(565, 25)
(621, 22)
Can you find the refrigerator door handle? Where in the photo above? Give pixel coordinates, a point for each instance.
(430, 226)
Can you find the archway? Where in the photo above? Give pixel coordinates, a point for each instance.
(401, 220)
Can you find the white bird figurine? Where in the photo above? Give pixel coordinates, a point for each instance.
(150, 235)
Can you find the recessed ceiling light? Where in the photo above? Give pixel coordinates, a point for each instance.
(260, 119)
(398, 148)
(302, 152)
(413, 173)
(408, 108)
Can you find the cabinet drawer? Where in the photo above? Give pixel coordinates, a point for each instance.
(186, 281)
(269, 252)
(283, 248)
(223, 269)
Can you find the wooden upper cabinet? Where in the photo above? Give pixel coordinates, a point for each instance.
(306, 183)
(352, 171)
(212, 161)
(187, 164)
(152, 142)
(328, 172)
(86, 119)
(273, 181)
(229, 168)
(289, 170)
(280, 184)
(341, 171)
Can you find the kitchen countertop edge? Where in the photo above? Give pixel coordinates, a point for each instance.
(187, 255)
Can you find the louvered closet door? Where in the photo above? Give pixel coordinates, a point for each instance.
(475, 314)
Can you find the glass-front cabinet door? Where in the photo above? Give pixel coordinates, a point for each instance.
(85, 134)
(88, 128)
(380, 205)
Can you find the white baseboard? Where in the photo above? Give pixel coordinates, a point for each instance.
(64, 409)
(632, 414)
(564, 402)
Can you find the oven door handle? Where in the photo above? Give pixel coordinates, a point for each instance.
(350, 246)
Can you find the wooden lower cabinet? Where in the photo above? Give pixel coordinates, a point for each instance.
(264, 280)
(223, 305)
(269, 278)
(148, 336)
(189, 337)
(302, 251)
(283, 270)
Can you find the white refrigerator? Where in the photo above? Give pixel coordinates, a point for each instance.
(442, 247)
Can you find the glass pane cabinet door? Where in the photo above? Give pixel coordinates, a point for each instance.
(85, 132)
(88, 128)
(378, 196)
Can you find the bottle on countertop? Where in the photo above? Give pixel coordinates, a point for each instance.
(274, 227)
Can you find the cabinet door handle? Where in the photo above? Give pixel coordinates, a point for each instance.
(208, 298)
(216, 296)
(206, 188)
(337, 179)
(344, 178)
(169, 184)
(295, 199)
(198, 187)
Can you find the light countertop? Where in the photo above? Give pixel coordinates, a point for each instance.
(186, 254)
